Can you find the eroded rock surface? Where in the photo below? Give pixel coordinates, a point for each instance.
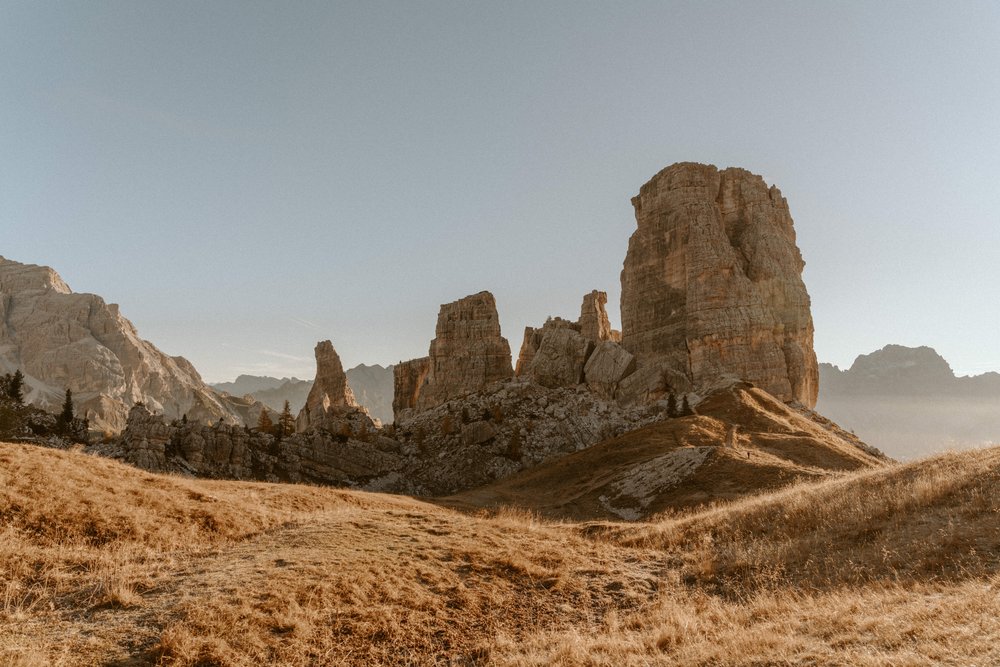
(467, 354)
(712, 284)
(60, 339)
(330, 395)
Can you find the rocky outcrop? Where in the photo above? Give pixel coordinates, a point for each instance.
(560, 358)
(60, 340)
(358, 459)
(533, 337)
(467, 354)
(330, 400)
(594, 323)
(556, 354)
(607, 366)
(712, 285)
(408, 377)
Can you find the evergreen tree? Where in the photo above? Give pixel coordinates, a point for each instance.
(672, 405)
(286, 422)
(184, 418)
(686, 410)
(264, 423)
(66, 416)
(16, 384)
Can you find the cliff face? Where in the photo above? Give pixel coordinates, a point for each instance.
(467, 354)
(712, 284)
(61, 340)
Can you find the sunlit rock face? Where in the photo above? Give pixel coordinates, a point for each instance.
(330, 393)
(712, 284)
(60, 339)
(466, 355)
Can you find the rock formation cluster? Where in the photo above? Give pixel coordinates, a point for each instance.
(467, 354)
(561, 353)
(712, 284)
(60, 339)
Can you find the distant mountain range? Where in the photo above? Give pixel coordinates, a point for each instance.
(908, 402)
(372, 387)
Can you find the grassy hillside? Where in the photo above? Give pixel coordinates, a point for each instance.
(104, 564)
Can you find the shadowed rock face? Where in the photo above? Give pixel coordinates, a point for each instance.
(712, 283)
(60, 339)
(467, 354)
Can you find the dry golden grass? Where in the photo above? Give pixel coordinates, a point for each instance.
(104, 564)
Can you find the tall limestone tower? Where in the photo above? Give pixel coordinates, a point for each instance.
(712, 283)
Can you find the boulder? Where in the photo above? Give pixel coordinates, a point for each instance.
(608, 365)
(560, 359)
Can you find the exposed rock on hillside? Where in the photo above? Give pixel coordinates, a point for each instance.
(560, 358)
(533, 337)
(712, 286)
(742, 441)
(357, 458)
(467, 354)
(64, 340)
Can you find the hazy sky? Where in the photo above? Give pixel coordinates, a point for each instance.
(246, 179)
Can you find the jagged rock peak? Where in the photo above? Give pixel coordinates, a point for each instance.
(60, 339)
(712, 283)
(593, 326)
(330, 392)
(467, 353)
(17, 277)
(594, 323)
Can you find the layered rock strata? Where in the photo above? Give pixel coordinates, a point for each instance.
(712, 285)
(60, 339)
(467, 354)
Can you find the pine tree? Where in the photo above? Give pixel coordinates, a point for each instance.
(66, 416)
(286, 422)
(686, 410)
(264, 423)
(16, 384)
(671, 405)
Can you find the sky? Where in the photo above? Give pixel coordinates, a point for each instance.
(246, 178)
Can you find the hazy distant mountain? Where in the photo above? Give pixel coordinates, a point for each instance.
(251, 384)
(908, 402)
(372, 387)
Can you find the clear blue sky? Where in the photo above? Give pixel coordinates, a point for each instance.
(245, 179)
